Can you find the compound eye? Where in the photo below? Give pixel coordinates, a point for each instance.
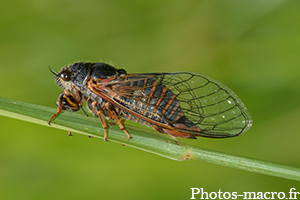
(65, 75)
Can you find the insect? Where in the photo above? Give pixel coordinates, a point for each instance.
(181, 104)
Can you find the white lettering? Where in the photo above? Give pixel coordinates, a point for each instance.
(193, 192)
(259, 195)
(273, 194)
(219, 194)
(279, 195)
(293, 193)
(250, 196)
(202, 193)
(246, 195)
(226, 195)
(215, 195)
(234, 195)
(265, 195)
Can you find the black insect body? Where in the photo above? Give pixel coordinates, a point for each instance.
(181, 104)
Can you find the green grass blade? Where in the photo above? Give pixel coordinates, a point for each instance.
(143, 139)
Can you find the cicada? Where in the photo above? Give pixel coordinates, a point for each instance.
(181, 104)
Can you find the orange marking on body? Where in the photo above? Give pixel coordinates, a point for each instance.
(184, 127)
(174, 110)
(178, 133)
(71, 103)
(150, 95)
(136, 106)
(139, 101)
(78, 94)
(169, 103)
(165, 126)
(145, 82)
(159, 100)
(104, 80)
(152, 91)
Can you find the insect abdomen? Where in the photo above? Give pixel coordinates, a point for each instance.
(155, 101)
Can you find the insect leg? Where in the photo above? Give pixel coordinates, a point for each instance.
(83, 111)
(98, 113)
(67, 101)
(123, 121)
(114, 116)
(59, 107)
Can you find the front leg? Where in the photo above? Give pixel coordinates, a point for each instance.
(58, 105)
(68, 101)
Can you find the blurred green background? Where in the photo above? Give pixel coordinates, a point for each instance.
(253, 47)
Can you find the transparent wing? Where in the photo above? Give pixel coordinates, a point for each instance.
(210, 105)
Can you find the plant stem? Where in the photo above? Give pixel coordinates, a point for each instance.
(143, 139)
